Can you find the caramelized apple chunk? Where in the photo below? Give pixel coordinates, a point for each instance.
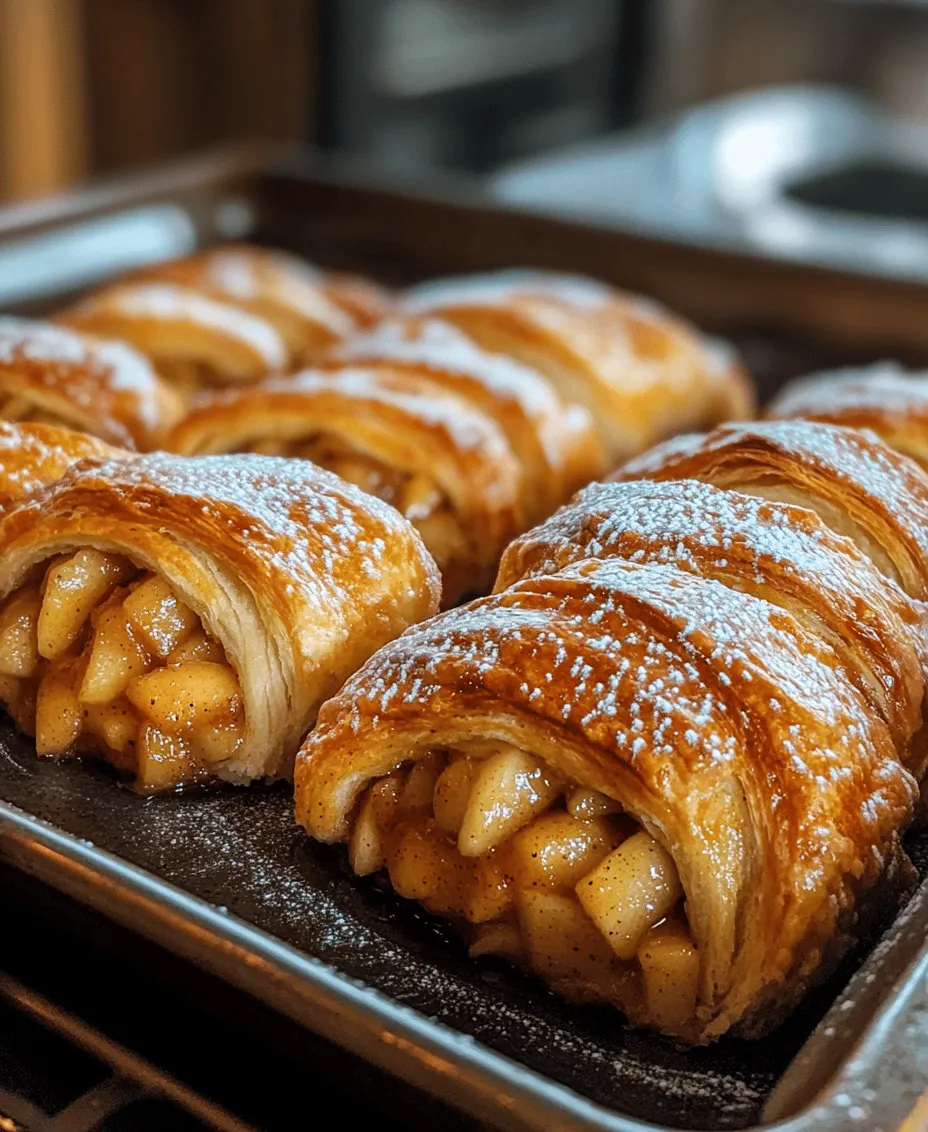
(100, 656)
(554, 876)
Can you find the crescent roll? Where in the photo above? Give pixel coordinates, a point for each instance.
(883, 398)
(193, 340)
(309, 309)
(556, 443)
(185, 618)
(858, 485)
(33, 455)
(642, 373)
(776, 551)
(650, 789)
(445, 465)
(59, 376)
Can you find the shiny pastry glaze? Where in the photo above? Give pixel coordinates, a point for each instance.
(97, 655)
(726, 729)
(858, 485)
(297, 574)
(444, 464)
(556, 441)
(193, 339)
(54, 375)
(641, 372)
(33, 455)
(884, 398)
(779, 552)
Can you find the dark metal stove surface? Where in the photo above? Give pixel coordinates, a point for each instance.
(241, 851)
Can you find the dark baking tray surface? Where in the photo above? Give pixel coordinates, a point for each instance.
(246, 866)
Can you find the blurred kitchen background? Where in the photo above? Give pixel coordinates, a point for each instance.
(797, 125)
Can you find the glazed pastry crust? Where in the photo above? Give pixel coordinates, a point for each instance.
(64, 377)
(764, 775)
(34, 455)
(400, 421)
(641, 372)
(858, 485)
(775, 551)
(299, 576)
(883, 398)
(171, 324)
(310, 310)
(556, 443)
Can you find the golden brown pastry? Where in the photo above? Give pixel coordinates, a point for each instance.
(883, 398)
(780, 552)
(642, 373)
(856, 484)
(445, 465)
(556, 443)
(648, 788)
(185, 618)
(193, 340)
(58, 376)
(33, 455)
(310, 309)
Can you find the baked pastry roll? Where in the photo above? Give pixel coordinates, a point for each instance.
(33, 455)
(184, 619)
(883, 398)
(193, 340)
(650, 789)
(442, 463)
(310, 310)
(858, 485)
(58, 376)
(641, 372)
(555, 442)
(776, 551)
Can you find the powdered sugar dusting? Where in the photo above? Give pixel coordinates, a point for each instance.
(170, 303)
(881, 388)
(83, 368)
(501, 286)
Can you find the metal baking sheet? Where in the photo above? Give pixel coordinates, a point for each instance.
(228, 880)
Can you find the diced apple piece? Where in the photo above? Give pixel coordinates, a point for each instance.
(419, 498)
(221, 742)
(196, 693)
(198, 646)
(72, 589)
(365, 847)
(556, 850)
(164, 761)
(116, 658)
(583, 803)
(630, 891)
(158, 617)
(670, 967)
(420, 783)
(58, 714)
(509, 790)
(116, 726)
(452, 793)
(503, 938)
(424, 866)
(385, 799)
(18, 697)
(19, 646)
(561, 941)
(492, 891)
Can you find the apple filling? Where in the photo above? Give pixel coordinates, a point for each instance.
(415, 495)
(97, 655)
(23, 410)
(549, 875)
